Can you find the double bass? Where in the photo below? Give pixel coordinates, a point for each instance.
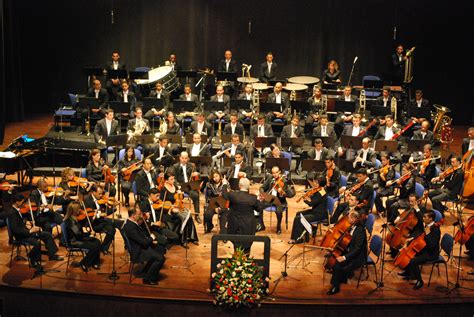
(467, 160)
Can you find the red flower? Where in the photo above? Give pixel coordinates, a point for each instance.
(229, 292)
(249, 281)
(236, 297)
(250, 289)
(229, 265)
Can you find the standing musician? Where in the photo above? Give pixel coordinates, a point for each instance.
(159, 223)
(324, 129)
(33, 235)
(384, 100)
(159, 93)
(353, 257)
(77, 238)
(173, 62)
(293, 130)
(238, 168)
(145, 179)
(385, 174)
(113, 84)
(468, 143)
(106, 127)
(427, 166)
(201, 126)
(406, 183)
(398, 65)
(234, 127)
(200, 149)
(142, 248)
(268, 69)
(245, 114)
(96, 170)
(429, 253)
(387, 131)
(276, 185)
(424, 133)
(45, 216)
(452, 180)
(225, 99)
(316, 106)
(124, 164)
(316, 198)
(364, 191)
(280, 97)
(189, 96)
(138, 125)
(228, 64)
(72, 188)
(184, 173)
(332, 75)
(128, 96)
(214, 188)
(241, 219)
(180, 216)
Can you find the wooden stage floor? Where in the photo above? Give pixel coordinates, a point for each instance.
(180, 284)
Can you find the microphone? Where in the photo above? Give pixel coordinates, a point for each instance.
(394, 33)
(112, 16)
(355, 59)
(250, 27)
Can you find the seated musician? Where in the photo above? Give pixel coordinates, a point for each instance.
(365, 157)
(180, 216)
(95, 170)
(172, 127)
(159, 93)
(277, 186)
(426, 167)
(163, 150)
(355, 129)
(419, 101)
(342, 118)
(184, 171)
(100, 94)
(280, 97)
(364, 191)
(424, 132)
(113, 84)
(225, 99)
(145, 179)
(468, 143)
(33, 235)
(238, 168)
(318, 152)
(45, 216)
(142, 248)
(189, 96)
(353, 257)
(316, 106)
(347, 95)
(324, 129)
(234, 146)
(387, 131)
(200, 149)
(275, 152)
(99, 222)
(345, 207)
(318, 212)
(452, 185)
(71, 188)
(128, 96)
(385, 173)
(245, 114)
(78, 238)
(234, 127)
(332, 175)
(105, 127)
(124, 164)
(138, 125)
(332, 75)
(261, 129)
(429, 253)
(268, 69)
(160, 224)
(406, 183)
(384, 100)
(293, 130)
(201, 126)
(214, 188)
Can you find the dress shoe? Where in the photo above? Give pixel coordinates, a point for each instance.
(278, 231)
(418, 285)
(185, 245)
(198, 219)
(405, 274)
(195, 242)
(333, 291)
(260, 228)
(147, 282)
(84, 267)
(470, 273)
(56, 258)
(106, 252)
(96, 267)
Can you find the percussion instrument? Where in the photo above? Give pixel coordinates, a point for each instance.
(304, 80)
(165, 74)
(299, 89)
(247, 80)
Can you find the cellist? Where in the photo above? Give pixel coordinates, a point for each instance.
(429, 253)
(406, 183)
(354, 256)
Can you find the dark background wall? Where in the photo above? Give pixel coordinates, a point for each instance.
(57, 38)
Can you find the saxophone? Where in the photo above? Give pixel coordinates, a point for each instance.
(393, 108)
(362, 105)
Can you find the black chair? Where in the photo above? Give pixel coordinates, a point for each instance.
(447, 243)
(375, 247)
(69, 248)
(129, 250)
(17, 244)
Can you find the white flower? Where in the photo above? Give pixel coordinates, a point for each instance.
(218, 265)
(213, 274)
(233, 274)
(221, 272)
(222, 262)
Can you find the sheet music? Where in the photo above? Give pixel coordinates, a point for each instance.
(306, 224)
(185, 221)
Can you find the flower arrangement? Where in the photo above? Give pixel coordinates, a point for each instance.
(239, 282)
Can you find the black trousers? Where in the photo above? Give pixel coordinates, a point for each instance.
(223, 214)
(310, 216)
(194, 195)
(154, 262)
(126, 188)
(393, 204)
(342, 271)
(278, 212)
(413, 268)
(104, 225)
(437, 196)
(92, 256)
(46, 219)
(35, 253)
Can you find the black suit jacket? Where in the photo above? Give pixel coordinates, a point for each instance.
(285, 101)
(241, 216)
(342, 98)
(369, 160)
(381, 132)
(324, 153)
(143, 186)
(139, 241)
(18, 226)
(266, 76)
(454, 183)
(103, 96)
(207, 128)
(239, 129)
(356, 252)
(156, 156)
(332, 187)
(424, 103)
(432, 242)
(348, 130)
(226, 102)
(329, 130)
(379, 101)
(318, 204)
(286, 132)
(398, 67)
(178, 172)
(132, 100)
(232, 66)
(429, 136)
(110, 66)
(266, 128)
(247, 169)
(204, 149)
(35, 197)
(465, 145)
(195, 99)
(365, 195)
(164, 95)
(100, 130)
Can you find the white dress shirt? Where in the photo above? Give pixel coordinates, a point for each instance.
(150, 180)
(108, 125)
(355, 131)
(96, 92)
(324, 130)
(183, 167)
(125, 96)
(236, 170)
(471, 145)
(261, 131)
(196, 149)
(388, 133)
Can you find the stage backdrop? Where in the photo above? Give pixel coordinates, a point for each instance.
(59, 37)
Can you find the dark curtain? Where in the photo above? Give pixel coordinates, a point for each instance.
(60, 37)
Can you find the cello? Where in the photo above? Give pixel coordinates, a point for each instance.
(410, 251)
(467, 160)
(462, 237)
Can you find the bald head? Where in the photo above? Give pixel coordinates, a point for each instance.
(244, 184)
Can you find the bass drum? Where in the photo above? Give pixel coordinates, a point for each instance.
(165, 74)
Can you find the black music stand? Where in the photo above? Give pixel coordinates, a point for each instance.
(293, 142)
(264, 141)
(267, 107)
(422, 112)
(299, 106)
(166, 160)
(281, 162)
(120, 108)
(175, 139)
(186, 74)
(345, 165)
(133, 74)
(328, 141)
(345, 106)
(213, 106)
(351, 142)
(229, 76)
(228, 161)
(329, 86)
(380, 111)
(237, 104)
(188, 138)
(226, 138)
(388, 146)
(145, 139)
(150, 102)
(85, 102)
(116, 140)
(117, 73)
(313, 165)
(180, 106)
(90, 71)
(234, 183)
(416, 145)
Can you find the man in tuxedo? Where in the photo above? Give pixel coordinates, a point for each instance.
(365, 157)
(33, 235)
(105, 127)
(347, 95)
(424, 133)
(199, 149)
(128, 96)
(225, 99)
(234, 146)
(201, 126)
(172, 61)
(45, 216)
(452, 186)
(142, 248)
(398, 65)
(268, 69)
(385, 99)
(113, 84)
(159, 93)
(246, 114)
(387, 131)
(354, 256)
(324, 129)
(468, 143)
(318, 152)
(189, 96)
(294, 130)
(353, 129)
(365, 192)
(238, 168)
(241, 219)
(183, 172)
(161, 151)
(234, 127)
(419, 100)
(261, 129)
(100, 94)
(138, 121)
(228, 64)
(279, 97)
(145, 179)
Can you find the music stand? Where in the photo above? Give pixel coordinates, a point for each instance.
(267, 107)
(388, 146)
(345, 165)
(145, 139)
(329, 86)
(116, 140)
(213, 106)
(237, 104)
(180, 106)
(299, 106)
(351, 142)
(92, 71)
(120, 106)
(293, 142)
(117, 73)
(133, 74)
(281, 162)
(166, 160)
(313, 165)
(380, 111)
(264, 141)
(422, 112)
(88, 102)
(228, 161)
(226, 138)
(175, 139)
(226, 76)
(345, 106)
(150, 102)
(188, 138)
(186, 74)
(328, 141)
(416, 145)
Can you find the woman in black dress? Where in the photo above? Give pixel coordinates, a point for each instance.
(214, 189)
(128, 160)
(95, 172)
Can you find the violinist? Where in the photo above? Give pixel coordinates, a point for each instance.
(71, 188)
(429, 253)
(184, 172)
(213, 189)
(332, 175)
(33, 235)
(382, 176)
(353, 257)
(364, 191)
(158, 223)
(316, 198)
(200, 149)
(96, 170)
(452, 180)
(45, 216)
(406, 183)
(79, 239)
(145, 179)
(427, 166)
(238, 168)
(180, 216)
(277, 186)
(126, 162)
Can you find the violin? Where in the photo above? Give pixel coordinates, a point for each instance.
(309, 193)
(179, 200)
(54, 191)
(424, 165)
(78, 181)
(106, 200)
(463, 237)
(128, 171)
(279, 186)
(160, 181)
(25, 208)
(329, 174)
(403, 178)
(107, 173)
(83, 214)
(7, 186)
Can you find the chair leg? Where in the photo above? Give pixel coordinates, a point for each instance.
(447, 278)
(11, 256)
(68, 259)
(360, 276)
(431, 273)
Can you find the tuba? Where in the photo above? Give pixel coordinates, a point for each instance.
(393, 108)
(441, 120)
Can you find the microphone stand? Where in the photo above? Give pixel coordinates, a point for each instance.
(352, 71)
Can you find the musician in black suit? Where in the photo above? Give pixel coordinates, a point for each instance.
(159, 93)
(32, 235)
(199, 149)
(332, 75)
(202, 127)
(347, 95)
(387, 131)
(353, 257)
(355, 129)
(105, 127)
(183, 172)
(113, 84)
(142, 248)
(228, 64)
(280, 97)
(429, 253)
(294, 130)
(424, 133)
(162, 150)
(238, 168)
(365, 192)
(128, 96)
(248, 94)
(316, 106)
(241, 219)
(468, 143)
(225, 99)
(45, 215)
(398, 65)
(268, 69)
(332, 175)
(318, 212)
(189, 96)
(261, 129)
(385, 99)
(138, 122)
(344, 207)
(100, 94)
(452, 186)
(407, 187)
(172, 61)
(426, 169)
(234, 146)
(386, 173)
(419, 101)
(324, 129)
(365, 157)
(319, 151)
(234, 127)
(145, 179)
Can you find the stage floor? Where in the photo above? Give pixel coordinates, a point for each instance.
(306, 285)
